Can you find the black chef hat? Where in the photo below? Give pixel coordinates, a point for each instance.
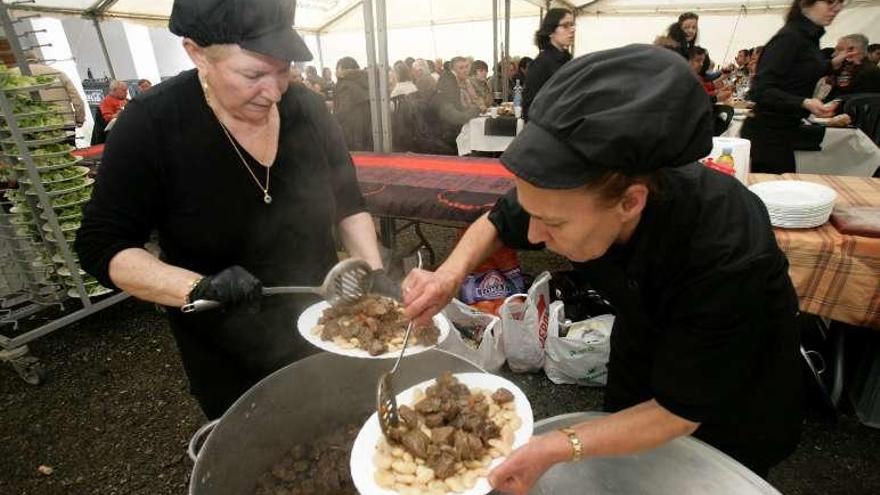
(632, 110)
(262, 26)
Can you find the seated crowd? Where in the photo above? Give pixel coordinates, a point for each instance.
(430, 99)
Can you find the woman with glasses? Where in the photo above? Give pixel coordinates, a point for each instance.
(553, 39)
(790, 65)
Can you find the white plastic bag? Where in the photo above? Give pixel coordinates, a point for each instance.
(468, 323)
(581, 357)
(524, 320)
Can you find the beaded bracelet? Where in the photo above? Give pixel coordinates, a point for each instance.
(577, 448)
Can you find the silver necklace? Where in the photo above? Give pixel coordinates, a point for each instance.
(267, 198)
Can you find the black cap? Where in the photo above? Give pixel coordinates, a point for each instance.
(631, 110)
(262, 26)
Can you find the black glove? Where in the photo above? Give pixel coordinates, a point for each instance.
(384, 285)
(233, 285)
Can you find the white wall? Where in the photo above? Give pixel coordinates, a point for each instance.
(445, 41)
(170, 55)
(600, 32)
(117, 46)
(141, 49)
(85, 47)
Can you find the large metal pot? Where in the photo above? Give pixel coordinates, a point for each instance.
(297, 404)
(681, 467)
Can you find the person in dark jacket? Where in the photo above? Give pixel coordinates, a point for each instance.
(456, 101)
(789, 67)
(352, 105)
(685, 32)
(524, 64)
(705, 341)
(857, 74)
(554, 38)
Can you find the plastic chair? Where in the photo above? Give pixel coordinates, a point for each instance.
(864, 108)
(723, 117)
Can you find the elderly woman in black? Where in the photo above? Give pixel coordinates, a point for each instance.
(789, 67)
(704, 341)
(554, 40)
(245, 177)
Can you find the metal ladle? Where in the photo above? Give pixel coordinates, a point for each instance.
(347, 281)
(386, 403)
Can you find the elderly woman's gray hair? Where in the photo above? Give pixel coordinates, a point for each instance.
(859, 40)
(422, 66)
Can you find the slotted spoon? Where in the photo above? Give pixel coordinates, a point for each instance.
(347, 281)
(386, 403)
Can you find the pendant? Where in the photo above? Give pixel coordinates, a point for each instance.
(266, 198)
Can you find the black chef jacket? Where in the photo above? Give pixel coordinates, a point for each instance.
(705, 314)
(540, 71)
(169, 166)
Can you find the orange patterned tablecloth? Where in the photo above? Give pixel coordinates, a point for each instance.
(836, 275)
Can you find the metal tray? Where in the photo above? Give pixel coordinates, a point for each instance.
(681, 467)
(88, 183)
(43, 155)
(35, 87)
(41, 142)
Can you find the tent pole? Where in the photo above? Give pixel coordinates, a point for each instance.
(375, 115)
(495, 73)
(97, 25)
(506, 56)
(320, 50)
(383, 67)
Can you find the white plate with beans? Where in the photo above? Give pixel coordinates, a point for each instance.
(380, 469)
(308, 322)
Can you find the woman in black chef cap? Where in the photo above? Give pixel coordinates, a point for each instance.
(245, 177)
(704, 342)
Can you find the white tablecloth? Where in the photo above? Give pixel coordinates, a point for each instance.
(473, 137)
(845, 151)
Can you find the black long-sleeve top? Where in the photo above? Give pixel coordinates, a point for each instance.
(540, 71)
(790, 66)
(705, 312)
(168, 165)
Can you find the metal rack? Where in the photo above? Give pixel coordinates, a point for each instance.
(39, 217)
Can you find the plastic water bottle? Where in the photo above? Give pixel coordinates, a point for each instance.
(517, 98)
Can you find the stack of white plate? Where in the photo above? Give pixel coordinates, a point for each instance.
(795, 204)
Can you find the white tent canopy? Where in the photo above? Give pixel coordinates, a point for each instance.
(443, 28)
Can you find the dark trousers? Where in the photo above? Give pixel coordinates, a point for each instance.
(772, 147)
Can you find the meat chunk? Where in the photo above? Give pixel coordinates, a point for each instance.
(416, 443)
(502, 396)
(377, 347)
(410, 417)
(442, 462)
(442, 435)
(428, 405)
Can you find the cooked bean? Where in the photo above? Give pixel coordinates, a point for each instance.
(385, 479)
(403, 467)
